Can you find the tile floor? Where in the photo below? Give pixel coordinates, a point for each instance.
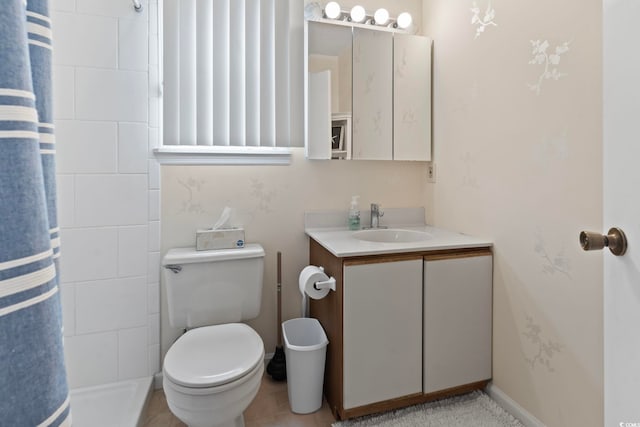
(270, 408)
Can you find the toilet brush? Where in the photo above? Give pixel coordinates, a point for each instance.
(277, 367)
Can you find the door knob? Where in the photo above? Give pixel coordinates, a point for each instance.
(615, 240)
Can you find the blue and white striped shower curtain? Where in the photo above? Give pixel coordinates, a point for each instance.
(33, 385)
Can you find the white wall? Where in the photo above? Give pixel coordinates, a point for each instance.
(621, 209)
(106, 111)
(519, 160)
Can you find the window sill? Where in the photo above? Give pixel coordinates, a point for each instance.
(210, 155)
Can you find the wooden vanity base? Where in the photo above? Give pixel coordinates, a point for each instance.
(403, 402)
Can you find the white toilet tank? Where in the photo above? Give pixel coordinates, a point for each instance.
(213, 287)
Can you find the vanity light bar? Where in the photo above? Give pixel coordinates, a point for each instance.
(358, 14)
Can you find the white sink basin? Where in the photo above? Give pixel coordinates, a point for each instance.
(392, 235)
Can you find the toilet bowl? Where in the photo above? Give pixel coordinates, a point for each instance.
(212, 373)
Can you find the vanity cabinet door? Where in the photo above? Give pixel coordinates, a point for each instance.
(318, 146)
(411, 97)
(457, 321)
(372, 95)
(382, 331)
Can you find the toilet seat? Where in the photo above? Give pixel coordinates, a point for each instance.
(254, 376)
(212, 356)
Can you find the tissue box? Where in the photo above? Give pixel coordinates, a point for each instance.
(228, 238)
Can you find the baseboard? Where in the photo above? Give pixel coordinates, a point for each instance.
(157, 381)
(512, 407)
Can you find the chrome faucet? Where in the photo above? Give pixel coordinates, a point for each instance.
(376, 214)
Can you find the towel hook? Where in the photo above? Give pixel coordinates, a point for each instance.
(137, 5)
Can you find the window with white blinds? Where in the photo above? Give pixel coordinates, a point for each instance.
(226, 78)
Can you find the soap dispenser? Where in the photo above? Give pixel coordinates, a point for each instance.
(354, 214)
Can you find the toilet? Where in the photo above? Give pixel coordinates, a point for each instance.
(213, 371)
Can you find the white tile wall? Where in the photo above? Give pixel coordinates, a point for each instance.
(103, 200)
(154, 140)
(153, 298)
(96, 306)
(92, 359)
(154, 359)
(133, 46)
(64, 92)
(153, 51)
(153, 25)
(132, 251)
(68, 299)
(133, 302)
(66, 199)
(86, 147)
(133, 147)
(154, 236)
(154, 175)
(104, 89)
(63, 5)
(105, 94)
(118, 9)
(154, 205)
(133, 355)
(154, 111)
(89, 254)
(99, 35)
(154, 328)
(153, 265)
(107, 305)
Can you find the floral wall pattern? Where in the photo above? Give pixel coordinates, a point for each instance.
(543, 350)
(517, 114)
(549, 61)
(487, 19)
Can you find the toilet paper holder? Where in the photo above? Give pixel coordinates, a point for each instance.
(326, 284)
(319, 285)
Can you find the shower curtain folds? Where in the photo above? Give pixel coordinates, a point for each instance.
(33, 384)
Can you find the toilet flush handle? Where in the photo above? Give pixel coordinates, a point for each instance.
(173, 267)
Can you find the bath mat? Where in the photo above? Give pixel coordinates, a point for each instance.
(475, 409)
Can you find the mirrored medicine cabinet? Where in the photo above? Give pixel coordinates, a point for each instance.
(367, 93)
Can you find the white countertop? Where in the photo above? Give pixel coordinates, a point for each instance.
(341, 243)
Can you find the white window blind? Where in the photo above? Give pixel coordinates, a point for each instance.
(226, 75)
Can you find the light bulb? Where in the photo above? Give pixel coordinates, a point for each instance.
(404, 20)
(358, 14)
(381, 17)
(332, 10)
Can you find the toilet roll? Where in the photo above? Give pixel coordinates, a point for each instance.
(308, 277)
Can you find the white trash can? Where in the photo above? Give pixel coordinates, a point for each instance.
(305, 348)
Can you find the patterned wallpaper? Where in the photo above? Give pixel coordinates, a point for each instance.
(517, 142)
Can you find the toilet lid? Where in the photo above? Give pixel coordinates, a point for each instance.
(213, 355)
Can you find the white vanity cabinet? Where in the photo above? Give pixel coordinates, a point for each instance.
(404, 328)
(382, 331)
(457, 320)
